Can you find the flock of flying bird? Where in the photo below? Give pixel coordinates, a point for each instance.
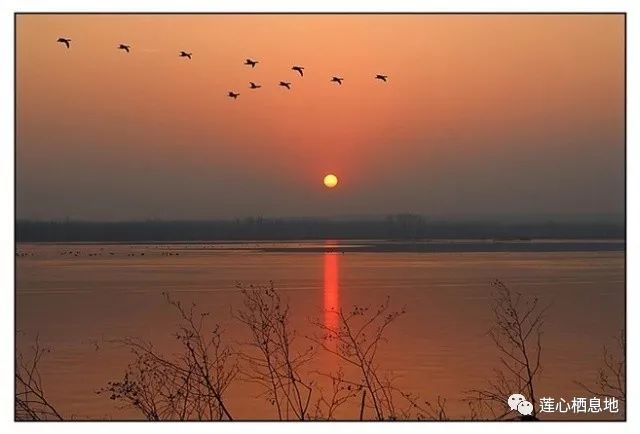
(248, 62)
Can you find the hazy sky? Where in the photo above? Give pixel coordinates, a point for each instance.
(482, 115)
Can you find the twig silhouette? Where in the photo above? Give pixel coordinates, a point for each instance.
(355, 341)
(611, 381)
(31, 402)
(272, 360)
(189, 385)
(517, 334)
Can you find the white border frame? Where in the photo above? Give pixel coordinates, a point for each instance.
(9, 7)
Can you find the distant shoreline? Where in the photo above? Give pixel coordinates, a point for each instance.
(404, 228)
(374, 246)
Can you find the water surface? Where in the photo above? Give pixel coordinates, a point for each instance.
(77, 297)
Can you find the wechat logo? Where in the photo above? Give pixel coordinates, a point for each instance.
(519, 403)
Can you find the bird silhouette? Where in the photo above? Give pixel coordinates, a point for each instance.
(299, 69)
(381, 77)
(65, 41)
(285, 84)
(185, 54)
(124, 47)
(337, 80)
(233, 95)
(251, 63)
(252, 85)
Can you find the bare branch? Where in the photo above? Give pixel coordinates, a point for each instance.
(517, 334)
(31, 402)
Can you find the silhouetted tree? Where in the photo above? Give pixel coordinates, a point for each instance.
(31, 402)
(272, 359)
(189, 385)
(611, 381)
(356, 341)
(517, 334)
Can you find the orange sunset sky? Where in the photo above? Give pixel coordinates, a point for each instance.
(483, 115)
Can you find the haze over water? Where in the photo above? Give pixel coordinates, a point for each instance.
(481, 115)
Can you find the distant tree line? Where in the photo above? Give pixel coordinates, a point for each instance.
(400, 227)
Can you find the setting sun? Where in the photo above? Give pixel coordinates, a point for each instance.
(330, 181)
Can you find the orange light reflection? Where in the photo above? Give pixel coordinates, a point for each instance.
(331, 290)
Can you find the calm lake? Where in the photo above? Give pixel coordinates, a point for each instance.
(79, 297)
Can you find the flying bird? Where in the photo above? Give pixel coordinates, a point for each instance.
(65, 41)
(299, 69)
(233, 95)
(185, 54)
(124, 47)
(381, 77)
(337, 80)
(251, 63)
(285, 84)
(252, 85)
